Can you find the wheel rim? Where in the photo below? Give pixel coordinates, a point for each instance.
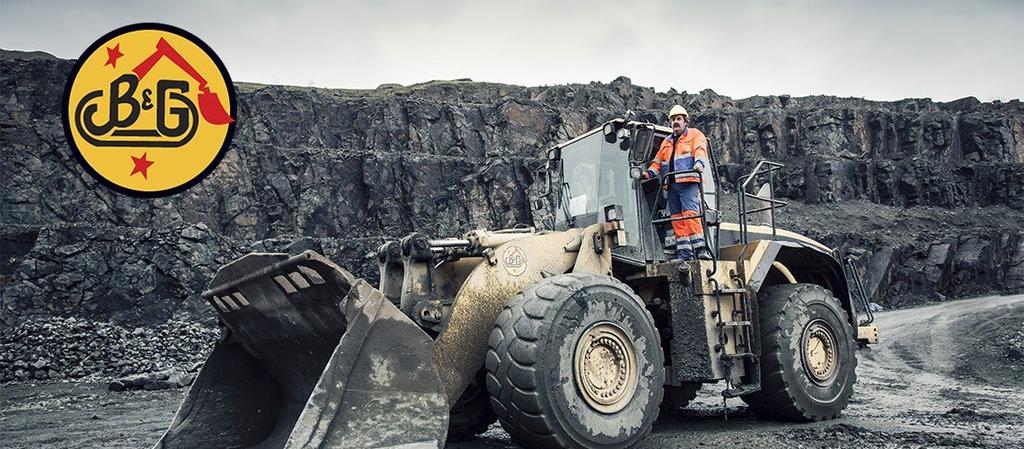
(605, 367)
(820, 361)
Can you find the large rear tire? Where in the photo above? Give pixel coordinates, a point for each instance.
(575, 361)
(807, 355)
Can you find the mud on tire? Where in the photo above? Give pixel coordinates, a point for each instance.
(807, 355)
(532, 364)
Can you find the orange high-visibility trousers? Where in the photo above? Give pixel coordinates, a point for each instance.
(684, 201)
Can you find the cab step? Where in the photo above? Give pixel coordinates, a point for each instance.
(741, 390)
(731, 291)
(738, 356)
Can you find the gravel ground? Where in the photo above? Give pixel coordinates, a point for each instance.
(945, 375)
(69, 348)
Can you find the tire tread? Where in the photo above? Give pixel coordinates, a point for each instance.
(512, 379)
(777, 398)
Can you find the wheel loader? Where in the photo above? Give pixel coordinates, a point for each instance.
(574, 331)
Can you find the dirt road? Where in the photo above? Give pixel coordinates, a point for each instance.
(941, 377)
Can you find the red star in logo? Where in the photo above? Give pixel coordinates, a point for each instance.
(141, 165)
(112, 55)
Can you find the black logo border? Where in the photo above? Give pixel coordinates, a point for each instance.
(232, 110)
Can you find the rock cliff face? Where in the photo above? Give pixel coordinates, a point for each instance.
(929, 194)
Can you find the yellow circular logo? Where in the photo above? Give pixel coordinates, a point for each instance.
(149, 110)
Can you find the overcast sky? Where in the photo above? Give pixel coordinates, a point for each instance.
(880, 50)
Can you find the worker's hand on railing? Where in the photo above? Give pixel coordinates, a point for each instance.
(649, 175)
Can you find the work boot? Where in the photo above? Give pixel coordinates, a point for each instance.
(704, 254)
(684, 254)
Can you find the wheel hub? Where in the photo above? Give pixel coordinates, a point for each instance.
(820, 352)
(605, 367)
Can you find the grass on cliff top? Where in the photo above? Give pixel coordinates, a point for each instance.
(386, 90)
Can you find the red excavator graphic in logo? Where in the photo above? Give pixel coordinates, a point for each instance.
(140, 131)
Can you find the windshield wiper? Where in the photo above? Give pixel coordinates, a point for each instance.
(567, 195)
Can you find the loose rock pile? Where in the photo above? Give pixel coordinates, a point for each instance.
(160, 380)
(1015, 347)
(69, 348)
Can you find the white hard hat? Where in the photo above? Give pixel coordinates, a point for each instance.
(677, 110)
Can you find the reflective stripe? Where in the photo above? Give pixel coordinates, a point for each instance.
(693, 149)
(684, 254)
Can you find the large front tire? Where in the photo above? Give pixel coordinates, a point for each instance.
(575, 361)
(807, 355)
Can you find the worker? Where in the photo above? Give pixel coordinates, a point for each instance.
(685, 149)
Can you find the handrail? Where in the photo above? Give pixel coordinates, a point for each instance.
(860, 291)
(762, 209)
(758, 171)
(712, 246)
(767, 200)
(742, 195)
(663, 185)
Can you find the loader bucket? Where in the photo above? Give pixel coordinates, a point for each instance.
(312, 358)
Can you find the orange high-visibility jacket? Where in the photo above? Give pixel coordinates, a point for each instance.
(690, 152)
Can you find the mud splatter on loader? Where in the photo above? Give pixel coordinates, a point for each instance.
(573, 332)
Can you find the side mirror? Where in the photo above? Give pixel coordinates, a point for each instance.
(640, 151)
(545, 174)
(609, 132)
(554, 155)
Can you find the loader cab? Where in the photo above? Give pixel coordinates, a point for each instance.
(589, 182)
(595, 178)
